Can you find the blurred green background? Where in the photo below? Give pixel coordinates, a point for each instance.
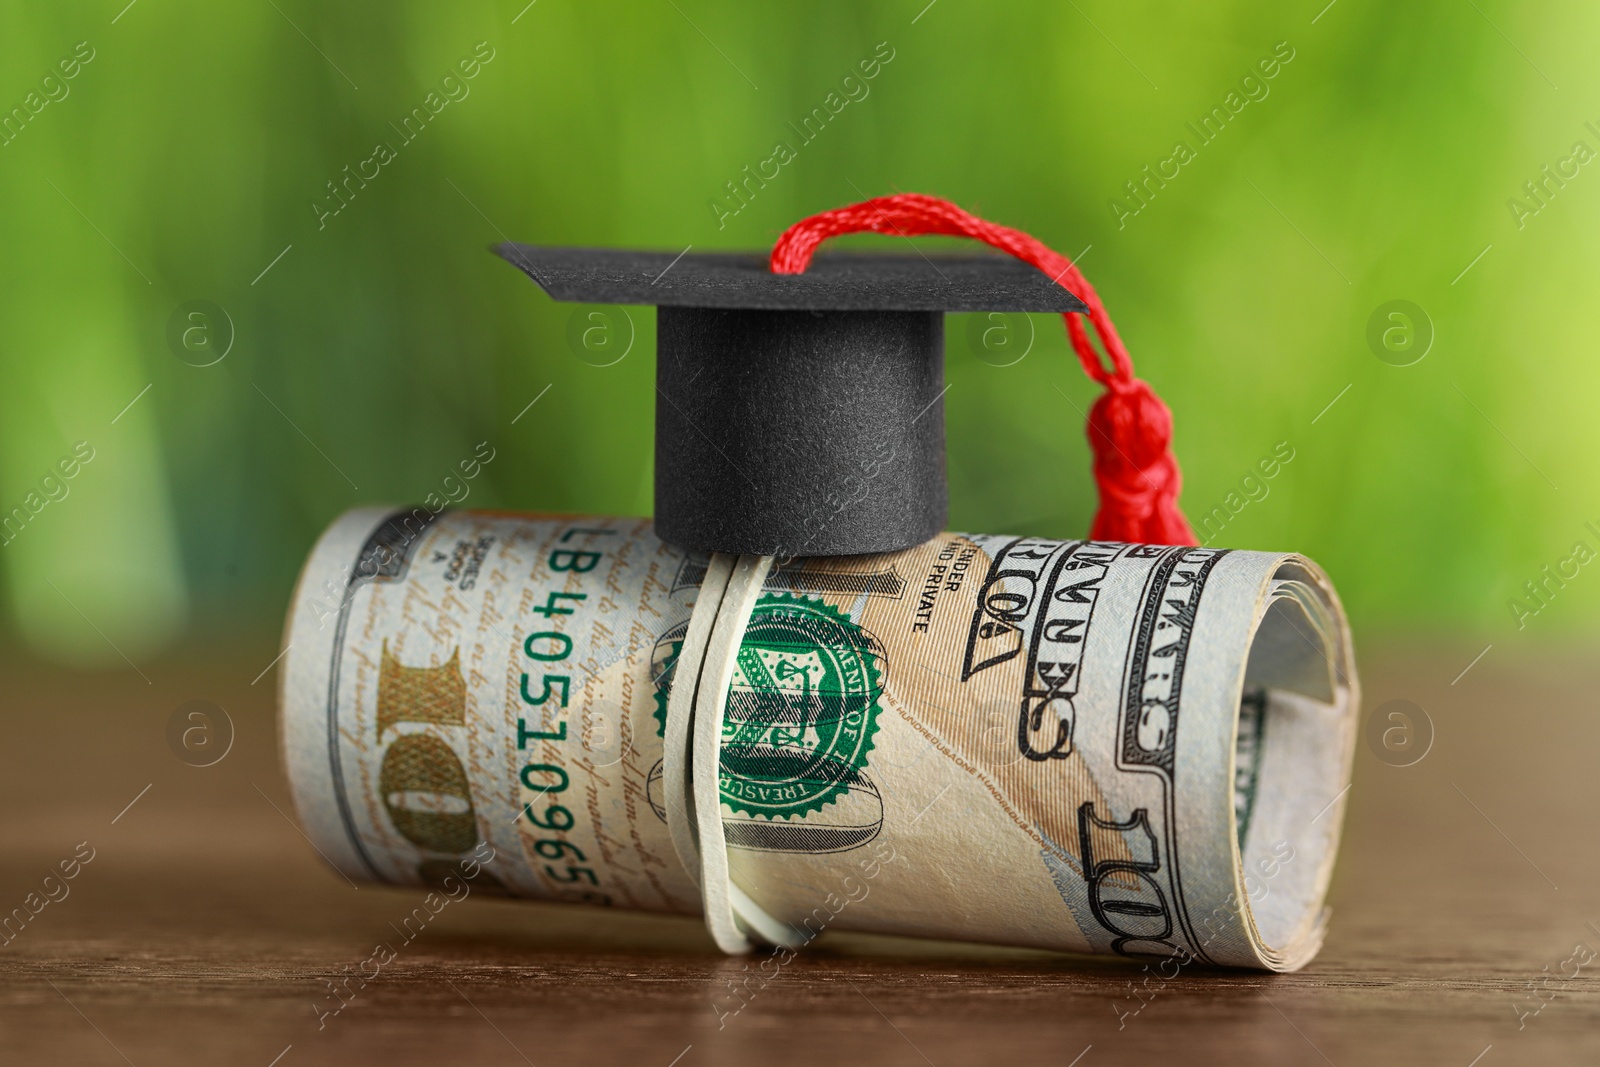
(373, 349)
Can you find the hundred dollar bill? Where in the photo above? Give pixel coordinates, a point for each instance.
(1088, 747)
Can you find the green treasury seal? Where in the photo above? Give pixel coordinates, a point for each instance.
(802, 707)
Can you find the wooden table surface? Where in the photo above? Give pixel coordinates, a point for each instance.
(204, 927)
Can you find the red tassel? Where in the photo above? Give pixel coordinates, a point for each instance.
(1130, 429)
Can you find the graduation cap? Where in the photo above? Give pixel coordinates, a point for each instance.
(802, 414)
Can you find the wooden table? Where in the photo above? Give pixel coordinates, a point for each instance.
(204, 927)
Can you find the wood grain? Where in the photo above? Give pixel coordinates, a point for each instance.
(205, 926)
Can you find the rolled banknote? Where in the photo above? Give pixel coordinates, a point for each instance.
(1080, 746)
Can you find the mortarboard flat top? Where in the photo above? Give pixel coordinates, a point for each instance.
(834, 282)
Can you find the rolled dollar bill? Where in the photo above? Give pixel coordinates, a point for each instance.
(1088, 747)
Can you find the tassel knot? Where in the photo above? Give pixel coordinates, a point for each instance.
(1130, 433)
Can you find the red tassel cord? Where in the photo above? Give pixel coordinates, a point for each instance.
(1130, 429)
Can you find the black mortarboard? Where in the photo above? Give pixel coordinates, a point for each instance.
(799, 414)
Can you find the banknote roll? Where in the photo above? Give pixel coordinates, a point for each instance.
(1088, 747)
